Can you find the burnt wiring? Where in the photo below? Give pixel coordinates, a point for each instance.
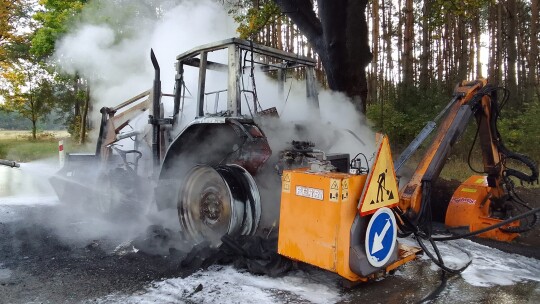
(252, 76)
(356, 163)
(253, 84)
(243, 85)
(286, 98)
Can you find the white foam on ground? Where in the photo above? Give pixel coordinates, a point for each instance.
(28, 200)
(31, 179)
(5, 273)
(224, 284)
(489, 266)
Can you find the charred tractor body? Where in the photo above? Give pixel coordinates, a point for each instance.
(216, 173)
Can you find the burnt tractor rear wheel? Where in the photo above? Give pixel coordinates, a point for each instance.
(219, 200)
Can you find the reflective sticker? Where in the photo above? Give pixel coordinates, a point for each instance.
(463, 200)
(334, 190)
(469, 190)
(480, 180)
(345, 190)
(381, 235)
(286, 182)
(313, 193)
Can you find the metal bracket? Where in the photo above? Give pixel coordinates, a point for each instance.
(160, 121)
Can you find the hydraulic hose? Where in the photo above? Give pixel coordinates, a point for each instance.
(9, 163)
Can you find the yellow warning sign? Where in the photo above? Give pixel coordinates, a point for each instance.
(286, 182)
(345, 190)
(334, 190)
(381, 189)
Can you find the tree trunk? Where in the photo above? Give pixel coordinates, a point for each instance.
(34, 129)
(426, 46)
(388, 43)
(76, 106)
(511, 46)
(400, 43)
(471, 51)
(476, 30)
(493, 42)
(408, 38)
(460, 54)
(500, 44)
(375, 63)
(447, 45)
(532, 85)
(339, 34)
(84, 116)
(279, 34)
(440, 61)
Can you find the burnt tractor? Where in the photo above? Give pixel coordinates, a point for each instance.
(217, 174)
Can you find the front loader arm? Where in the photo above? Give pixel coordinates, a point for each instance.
(112, 123)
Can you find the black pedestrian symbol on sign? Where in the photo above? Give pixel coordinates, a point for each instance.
(334, 190)
(345, 188)
(381, 190)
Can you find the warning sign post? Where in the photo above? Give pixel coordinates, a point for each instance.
(381, 188)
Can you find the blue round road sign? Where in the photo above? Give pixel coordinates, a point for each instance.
(381, 237)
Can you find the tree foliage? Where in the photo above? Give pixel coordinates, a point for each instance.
(253, 19)
(421, 49)
(28, 90)
(54, 20)
(15, 24)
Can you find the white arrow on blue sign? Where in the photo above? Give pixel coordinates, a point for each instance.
(381, 237)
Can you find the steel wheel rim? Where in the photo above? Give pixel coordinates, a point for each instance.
(215, 201)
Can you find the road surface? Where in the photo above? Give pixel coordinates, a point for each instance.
(52, 253)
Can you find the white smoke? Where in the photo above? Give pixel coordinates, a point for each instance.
(110, 47)
(115, 55)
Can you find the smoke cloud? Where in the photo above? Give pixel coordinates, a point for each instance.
(112, 49)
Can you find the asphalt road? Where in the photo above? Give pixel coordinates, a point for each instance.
(50, 253)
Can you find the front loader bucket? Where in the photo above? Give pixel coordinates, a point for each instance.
(73, 181)
(104, 187)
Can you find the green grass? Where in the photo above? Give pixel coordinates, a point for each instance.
(19, 146)
(26, 150)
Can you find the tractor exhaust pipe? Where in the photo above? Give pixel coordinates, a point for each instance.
(154, 118)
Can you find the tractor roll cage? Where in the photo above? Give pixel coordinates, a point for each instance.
(281, 61)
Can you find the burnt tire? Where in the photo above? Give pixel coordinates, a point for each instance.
(217, 201)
